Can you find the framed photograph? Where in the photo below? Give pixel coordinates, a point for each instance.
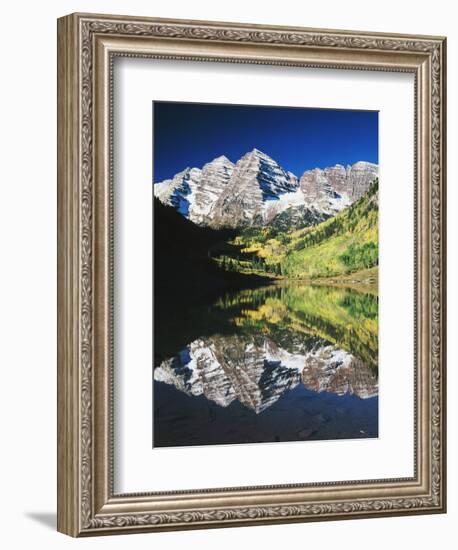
(251, 283)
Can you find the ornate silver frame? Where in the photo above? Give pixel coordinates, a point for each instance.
(87, 44)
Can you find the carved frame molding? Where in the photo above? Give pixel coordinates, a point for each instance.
(87, 46)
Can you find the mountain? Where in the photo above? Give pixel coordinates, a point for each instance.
(178, 191)
(193, 192)
(257, 182)
(336, 187)
(257, 191)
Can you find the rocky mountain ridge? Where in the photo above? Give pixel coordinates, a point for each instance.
(257, 191)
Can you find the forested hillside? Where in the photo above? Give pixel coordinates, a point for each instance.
(344, 244)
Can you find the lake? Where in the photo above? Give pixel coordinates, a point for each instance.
(284, 362)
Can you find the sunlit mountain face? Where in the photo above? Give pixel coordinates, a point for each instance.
(256, 190)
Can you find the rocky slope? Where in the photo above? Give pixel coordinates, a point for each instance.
(257, 191)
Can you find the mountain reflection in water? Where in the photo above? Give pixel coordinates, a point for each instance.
(285, 363)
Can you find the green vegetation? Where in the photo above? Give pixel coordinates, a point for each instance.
(357, 256)
(343, 244)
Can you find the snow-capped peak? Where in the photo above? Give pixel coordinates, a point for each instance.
(256, 189)
(258, 155)
(363, 164)
(223, 160)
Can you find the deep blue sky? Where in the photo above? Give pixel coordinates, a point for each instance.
(191, 134)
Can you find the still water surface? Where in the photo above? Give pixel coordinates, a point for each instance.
(287, 362)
